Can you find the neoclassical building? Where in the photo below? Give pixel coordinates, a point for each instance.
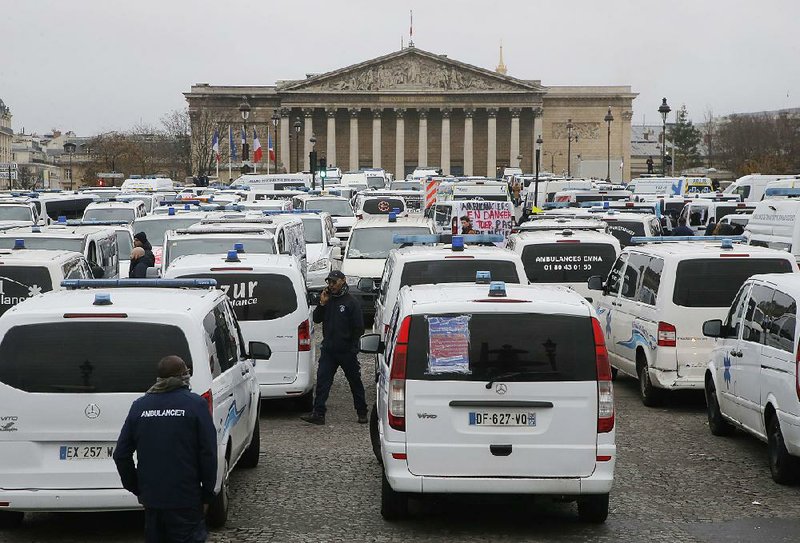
(412, 107)
(6, 133)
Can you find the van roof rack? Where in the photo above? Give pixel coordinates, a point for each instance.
(638, 240)
(406, 240)
(76, 284)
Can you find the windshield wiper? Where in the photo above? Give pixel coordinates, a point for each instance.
(511, 374)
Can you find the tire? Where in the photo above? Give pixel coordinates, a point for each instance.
(10, 520)
(374, 434)
(716, 423)
(651, 396)
(614, 372)
(249, 458)
(305, 403)
(394, 505)
(593, 508)
(782, 465)
(217, 514)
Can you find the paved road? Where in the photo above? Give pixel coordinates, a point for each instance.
(675, 482)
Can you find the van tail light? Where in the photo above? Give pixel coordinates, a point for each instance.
(304, 336)
(666, 335)
(397, 379)
(209, 398)
(605, 389)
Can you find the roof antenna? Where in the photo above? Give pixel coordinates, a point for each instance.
(402, 45)
(411, 31)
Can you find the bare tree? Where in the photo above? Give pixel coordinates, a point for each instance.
(177, 131)
(709, 131)
(202, 125)
(763, 143)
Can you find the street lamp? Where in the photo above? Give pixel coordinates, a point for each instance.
(536, 181)
(608, 118)
(297, 126)
(570, 139)
(244, 109)
(275, 120)
(664, 110)
(69, 148)
(312, 160)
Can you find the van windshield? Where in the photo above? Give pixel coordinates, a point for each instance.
(406, 185)
(512, 346)
(18, 283)
(50, 244)
(567, 262)
(377, 242)
(375, 182)
(65, 357)
(336, 208)
(206, 245)
(708, 282)
(155, 229)
(456, 271)
(253, 295)
(16, 213)
(109, 214)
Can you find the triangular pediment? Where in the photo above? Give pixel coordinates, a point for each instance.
(411, 70)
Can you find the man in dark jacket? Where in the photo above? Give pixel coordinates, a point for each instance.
(139, 264)
(140, 240)
(682, 229)
(342, 326)
(173, 435)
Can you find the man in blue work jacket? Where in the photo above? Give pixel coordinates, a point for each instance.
(173, 435)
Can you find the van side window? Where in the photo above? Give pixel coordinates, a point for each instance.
(651, 280)
(757, 308)
(387, 273)
(224, 340)
(75, 269)
(781, 323)
(210, 326)
(734, 321)
(91, 255)
(387, 356)
(614, 276)
(633, 275)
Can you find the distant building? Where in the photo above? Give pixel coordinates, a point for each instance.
(6, 133)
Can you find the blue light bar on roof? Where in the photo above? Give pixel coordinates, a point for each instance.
(288, 211)
(482, 238)
(781, 191)
(74, 284)
(667, 239)
(419, 239)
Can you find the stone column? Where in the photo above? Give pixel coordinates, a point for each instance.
(468, 113)
(284, 141)
(514, 146)
(445, 164)
(354, 138)
(308, 130)
(400, 142)
(376, 137)
(422, 156)
(491, 143)
(537, 131)
(330, 152)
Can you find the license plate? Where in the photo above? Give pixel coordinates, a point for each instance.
(501, 419)
(86, 451)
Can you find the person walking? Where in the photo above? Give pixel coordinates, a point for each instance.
(171, 431)
(682, 229)
(342, 326)
(649, 163)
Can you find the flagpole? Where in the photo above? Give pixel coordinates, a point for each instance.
(268, 146)
(230, 156)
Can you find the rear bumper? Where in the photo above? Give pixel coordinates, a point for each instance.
(669, 379)
(301, 385)
(69, 500)
(790, 428)
(401, 480)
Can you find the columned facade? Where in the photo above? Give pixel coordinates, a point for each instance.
(413, 108)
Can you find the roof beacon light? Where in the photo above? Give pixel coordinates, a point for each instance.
(171, 210)
(187, 207)
(727, 243)
(396, 210)
(233, 256)
(102, 298)
(392, 217)
(238, 247)
(19, 244)
(497, 289)
(483, 277)
(62, 219)
(457, 244)
(606, 204)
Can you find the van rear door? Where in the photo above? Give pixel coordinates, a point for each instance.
(64, 396)
(537, 417)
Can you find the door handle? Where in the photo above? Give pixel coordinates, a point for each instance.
(500, 450)
(736, 353)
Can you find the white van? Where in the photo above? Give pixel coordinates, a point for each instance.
(367, 205)
(275, 181)
(699, 212)
(775, 223)
(67, 394)
(478, 380)
(565, 257)
(268, 296)
(548, 187)
(150, 184)
(576, 198)
(337, 207)
(156, 225)
(115, 211)
(750, 188)
(320, 238)
(18, 212)
(753, 376)
(215, 239)
(658, 295)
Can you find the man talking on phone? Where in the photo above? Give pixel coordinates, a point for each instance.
(342, 326)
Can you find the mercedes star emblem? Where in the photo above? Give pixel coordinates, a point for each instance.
(501, 388)
(92, 411)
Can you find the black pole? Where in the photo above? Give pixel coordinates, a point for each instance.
(608, 154)
(664, 147)
(569, 152)
(536, 186)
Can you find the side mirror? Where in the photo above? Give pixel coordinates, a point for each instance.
(259, 350)
(371, 344)
(313, 298)
(712, 328)
(336, 253)
(97, 271)
(152, 273)
(595, 282)
(366, 284)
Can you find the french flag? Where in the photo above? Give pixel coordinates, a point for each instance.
(257, 152)
(215, 144)
(270, 148)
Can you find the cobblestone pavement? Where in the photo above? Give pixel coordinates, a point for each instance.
(674, 482)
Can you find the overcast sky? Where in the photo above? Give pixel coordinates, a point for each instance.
(93, 65)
